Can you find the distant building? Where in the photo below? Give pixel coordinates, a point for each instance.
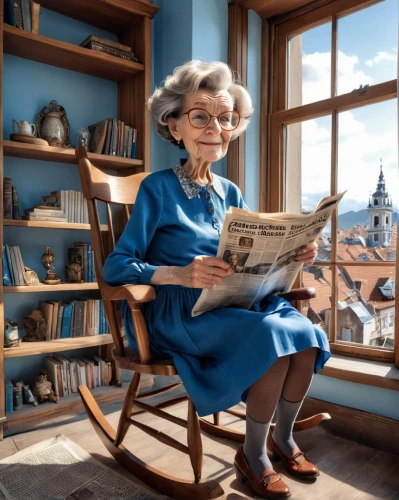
(380, 215)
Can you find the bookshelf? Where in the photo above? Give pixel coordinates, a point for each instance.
(130, 21)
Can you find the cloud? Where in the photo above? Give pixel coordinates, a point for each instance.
(382, 56)
(316, 75)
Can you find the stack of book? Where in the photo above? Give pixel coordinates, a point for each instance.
(46, 213)
(110, 47)
(67, 374)
(10, 200)
(82, 253)
(23, 14)
(113, 137)
(13, 266)
(79, 318)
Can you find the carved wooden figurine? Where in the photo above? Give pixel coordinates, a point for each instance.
(35, 326)
(43, 389)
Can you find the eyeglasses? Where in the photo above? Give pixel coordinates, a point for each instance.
(199, 118)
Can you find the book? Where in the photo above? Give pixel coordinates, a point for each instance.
(26, 15)
(106, 42)
(97, 136)
(45, 218)
(7, 198)
(21, 267)
(9, 12)
(56, 305)
(49, 212)
(53, 369)
(7, 280)
(10, 266)
(108, 138)
(66, 321)
(134, 138)
(98, 47)
(15, 204)
(59, 321)
(35, 9)
(9, 394)
(64, 372)
(47, 310)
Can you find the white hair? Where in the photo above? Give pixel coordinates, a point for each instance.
(168, 101)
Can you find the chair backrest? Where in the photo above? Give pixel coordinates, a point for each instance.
(118, 195)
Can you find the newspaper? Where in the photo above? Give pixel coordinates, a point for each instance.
(261, 248)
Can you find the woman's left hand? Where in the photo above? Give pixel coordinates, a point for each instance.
(308, 254)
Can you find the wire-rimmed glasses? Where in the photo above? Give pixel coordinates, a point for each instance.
(199, 118)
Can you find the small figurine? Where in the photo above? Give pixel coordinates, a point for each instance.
(27, 395)
(73, 272)
(35, 326)
(47, 261)
(31, 277)
(43, 388)
(11, 337)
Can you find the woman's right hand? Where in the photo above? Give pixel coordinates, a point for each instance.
(203, 272)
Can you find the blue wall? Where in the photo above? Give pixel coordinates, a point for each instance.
(27, 87)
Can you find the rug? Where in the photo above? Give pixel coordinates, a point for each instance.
(59, 469)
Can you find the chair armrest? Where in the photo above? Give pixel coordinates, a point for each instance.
(135, 294)
(299, 294)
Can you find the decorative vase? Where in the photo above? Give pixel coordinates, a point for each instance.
(52, 129)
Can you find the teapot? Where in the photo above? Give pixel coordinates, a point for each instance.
(23, 127)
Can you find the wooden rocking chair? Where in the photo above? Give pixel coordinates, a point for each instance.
(98, 186)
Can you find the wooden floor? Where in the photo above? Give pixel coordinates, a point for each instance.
(348, 470)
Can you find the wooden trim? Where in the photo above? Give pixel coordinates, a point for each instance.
(50, 225)
(66, 55)
(47, 346)
(324, 13)
(361, 351)
(2, 384)
(369, 429)
(264, 128)
(61, 155)
(62, 287)
(334, 225)
(30, 417)
(334, 57)
(305, 9)
(238, 49)
(375, 93)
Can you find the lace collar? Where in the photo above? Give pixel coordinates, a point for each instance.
(192, 188)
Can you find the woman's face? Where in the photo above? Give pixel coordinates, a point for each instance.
(209, 143)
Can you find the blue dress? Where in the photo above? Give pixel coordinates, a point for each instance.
(220, 353)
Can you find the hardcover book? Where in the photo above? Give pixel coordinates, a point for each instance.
(98, 133)
(106, 42)
(35, 9)
(15, 204)
(26, 15)
(7, 198)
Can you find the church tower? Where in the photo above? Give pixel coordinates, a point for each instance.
(380, 215)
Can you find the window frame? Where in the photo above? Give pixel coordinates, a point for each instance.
(276, 117)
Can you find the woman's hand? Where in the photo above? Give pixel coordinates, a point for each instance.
(203, 272)
(308, 254)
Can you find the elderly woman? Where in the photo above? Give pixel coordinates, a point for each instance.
(266, 355)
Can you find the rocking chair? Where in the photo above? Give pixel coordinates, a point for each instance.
(97, 187)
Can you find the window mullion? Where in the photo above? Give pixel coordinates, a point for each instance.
(334, 225)
(334, 56)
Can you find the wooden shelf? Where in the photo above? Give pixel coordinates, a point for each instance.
(61, 155)
(49, 225)
(110, 15)
(66, 55)
(30, 416)
(33, 348)
(62, 287)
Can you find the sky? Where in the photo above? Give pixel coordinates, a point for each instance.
(367, 55)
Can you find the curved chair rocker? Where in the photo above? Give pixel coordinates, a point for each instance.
(121, 191)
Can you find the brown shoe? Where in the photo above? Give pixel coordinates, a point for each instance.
(269, 485)
(297, 464)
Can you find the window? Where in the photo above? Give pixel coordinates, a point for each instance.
(333, 128)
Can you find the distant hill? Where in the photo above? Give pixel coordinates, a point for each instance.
(351, 219)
